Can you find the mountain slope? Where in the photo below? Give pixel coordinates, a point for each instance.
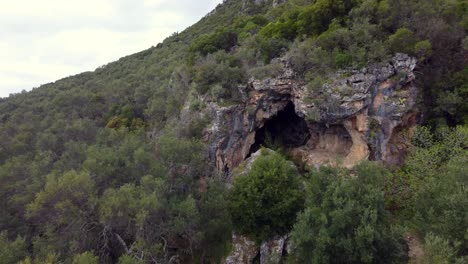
(119, 163)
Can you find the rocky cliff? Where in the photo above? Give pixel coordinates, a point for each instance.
(356, 115)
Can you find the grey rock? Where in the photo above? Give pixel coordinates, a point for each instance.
(371, 103)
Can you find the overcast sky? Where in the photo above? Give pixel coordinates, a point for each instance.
(45, 40)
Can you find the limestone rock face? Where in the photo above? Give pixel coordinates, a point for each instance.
(244, 250)
(259, 2)
(355, 115)
(271, 251)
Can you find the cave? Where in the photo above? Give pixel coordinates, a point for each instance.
(285, 130)
(312, 143)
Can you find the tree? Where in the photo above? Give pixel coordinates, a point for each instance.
(344, 220)
(402, 41)
(264, 202)
(85, 258)
(440, 204)
(12, 252)
(64, 213)
(215, 222)
(440, 251)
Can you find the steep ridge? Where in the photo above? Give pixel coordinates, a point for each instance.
(133, 162)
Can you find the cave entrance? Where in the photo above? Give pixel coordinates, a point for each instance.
(285, 130)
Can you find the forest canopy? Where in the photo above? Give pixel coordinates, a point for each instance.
(111, 166)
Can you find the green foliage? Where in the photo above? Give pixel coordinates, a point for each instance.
(85, 258)
(429, 191)
(281, 29)
(12, 252)
(119, 157)
(402, 41)
(50, 258)
(451, 103)
(64, 211)
(108, 154)
(219, 73)
(440, 203)
(130, 204)
(182, 154)
(439, 250)
(343, 60)
(219, 40)
(215, 221)
(270, 48)
(423, 49)
(264, 202)
(435, 150)
(315, 18)
(267, 71)
(126, 259)
(344, 220)
(309, 20)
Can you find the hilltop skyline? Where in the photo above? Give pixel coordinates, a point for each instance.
(41, 42)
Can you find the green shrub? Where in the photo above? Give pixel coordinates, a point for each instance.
(220, 40)
(280, 30)
(423, 49)
(315, 84)
(439, 251)
(264, 202)
(402, 41)
(85, 258)
(343, 60)
(12, 252)
(315, 19)
(270, 48)
(345, 221)
(269, 70)
(221, 74)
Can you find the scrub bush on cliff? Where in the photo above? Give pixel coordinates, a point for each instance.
(264, 202)
(345, 220)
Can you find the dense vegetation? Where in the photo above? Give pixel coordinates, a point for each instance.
(110, 166)
(264, 202)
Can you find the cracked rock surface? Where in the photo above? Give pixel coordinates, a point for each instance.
(355, 115)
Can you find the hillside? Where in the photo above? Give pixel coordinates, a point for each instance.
(335, 126)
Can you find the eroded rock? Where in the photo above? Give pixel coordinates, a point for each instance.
(244, 250)
(355, 116)
(271, 251)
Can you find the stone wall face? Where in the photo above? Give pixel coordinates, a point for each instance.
(355, 116)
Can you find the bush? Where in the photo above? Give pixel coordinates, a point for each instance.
(440, 204)
(280, 30)
(270, 70)
(270, 48)
(423, 49)
(219, 40)
(345, 220)
(402, 41)
(343, 60)
(219, 73)
(12, 251)
(438, 250)
(85, 258)
(264, 202)
(315, 18)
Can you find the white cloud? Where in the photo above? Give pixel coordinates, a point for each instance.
(42, 41)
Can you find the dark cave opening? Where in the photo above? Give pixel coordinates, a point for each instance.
(285, 130)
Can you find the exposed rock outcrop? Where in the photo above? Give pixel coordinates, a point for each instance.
(246, 251)
(259, 2)
(356, 115)
(271, 251)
